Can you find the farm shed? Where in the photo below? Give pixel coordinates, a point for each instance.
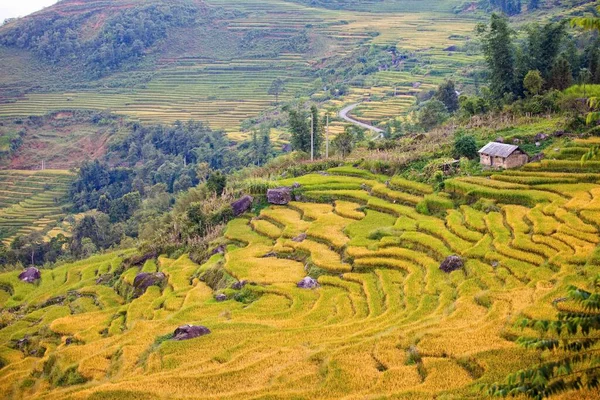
(500, 155)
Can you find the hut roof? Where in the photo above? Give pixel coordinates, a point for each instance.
(498, 149)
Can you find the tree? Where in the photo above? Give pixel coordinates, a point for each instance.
(561, 76)
(265, 147)
(498, 49)
(432, 114)
(216, 182)
(588, 23)
(533, 83)
(299, 129)
(568, 346)
(103, 204)
(276, 88)
(446, 93)
(465, 146)
(344, 142)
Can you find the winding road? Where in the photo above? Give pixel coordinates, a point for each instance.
(344, 115)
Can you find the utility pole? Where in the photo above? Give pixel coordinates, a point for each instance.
(312, 137)
(327, 139)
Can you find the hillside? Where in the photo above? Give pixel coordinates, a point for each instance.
(384, 321)
(219, 64)
(300, 199)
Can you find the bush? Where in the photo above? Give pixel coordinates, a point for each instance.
(465, 146)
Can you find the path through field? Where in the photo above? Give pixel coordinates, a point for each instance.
(344, 116)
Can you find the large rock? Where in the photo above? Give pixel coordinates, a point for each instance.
(308, 283)
(451, 263)
(280, 196)
(187, 332)
(300, 238)
(144, 280)
(242, 205)
(30, 275)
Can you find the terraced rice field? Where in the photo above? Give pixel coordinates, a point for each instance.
(203, 84)
(31, 201)
(385, 322)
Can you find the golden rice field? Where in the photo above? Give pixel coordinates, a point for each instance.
(385, 322)
(31, 201)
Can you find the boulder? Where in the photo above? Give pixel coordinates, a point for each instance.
(144, 280)
(541, 136)
(516, 141)
(499, 139)
(187, 332)
(239, 285)
(218, 250)
(280, 196)
(308, 283)
(220, 297)
(30, 275)
(559, 133)
(242, 205)
(451, 263)
(300, 238)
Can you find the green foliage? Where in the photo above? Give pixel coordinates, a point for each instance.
(446, 93)
(568, 346)
(216, 182)
(561, 76)
(344, 143)
(498, 48)
(302, 125)
(533, 83)
(122, 39)
(432, 114)
(465, 146)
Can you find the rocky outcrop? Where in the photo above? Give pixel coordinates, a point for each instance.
(300, 238)
(187, 332)
(239, 285)
(280, 196)
(451, 263)
(242, 205)
(144, 280)
(308, 283)
(30, 275)
(220, 297)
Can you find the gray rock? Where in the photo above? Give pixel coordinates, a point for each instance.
(242, 205)
(144, 280)
(300, 238)
(308, 283)
(516, 141)
(239, 285)
(218, 250)
(280, 196)
(500, 139)
(30, 275)
(540, 137)
(451, 263)
(187, 332)
(220, 297)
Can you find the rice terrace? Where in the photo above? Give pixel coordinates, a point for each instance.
(294, 199)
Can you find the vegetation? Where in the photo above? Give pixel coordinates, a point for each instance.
(400, 267)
